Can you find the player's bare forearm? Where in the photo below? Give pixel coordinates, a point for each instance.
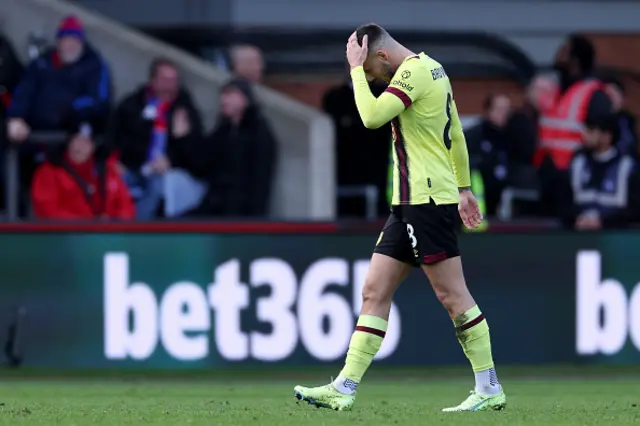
(374, 112)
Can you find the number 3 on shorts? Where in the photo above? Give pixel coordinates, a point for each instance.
(412, 236)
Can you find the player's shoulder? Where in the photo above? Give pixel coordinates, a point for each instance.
(416, 62)
(425, 66)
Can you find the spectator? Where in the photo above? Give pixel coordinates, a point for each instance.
(10, 73)
(581, 97)
(68, 84)
(247, 62)
(352, 139)
(522, 128)
(626, 138)
(80, 183)
(488, 149)
(238, 158)
(156, 128)
(605, 184)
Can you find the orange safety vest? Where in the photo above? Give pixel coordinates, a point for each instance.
(561, 127)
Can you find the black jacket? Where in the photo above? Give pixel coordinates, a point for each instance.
(354, 143)
(11, 68)
(626, 137)
(131, 132)
(595, 176)
(51, 95)
(521, 134)
(487, 146)
(238, 162)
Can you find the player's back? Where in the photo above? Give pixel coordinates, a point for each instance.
(422, 134)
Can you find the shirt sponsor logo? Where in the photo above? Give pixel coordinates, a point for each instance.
(400, 83)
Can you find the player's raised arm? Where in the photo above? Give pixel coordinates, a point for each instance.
(459, 153)
(375, 57)
(374, 112)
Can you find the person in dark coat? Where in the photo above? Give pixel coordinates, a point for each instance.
(68, 84)
(626, 136)
(155, 128)
(603, 191)
(11, 70)
(353, 143)
(488, 149)
(238, 157)
(521, 130)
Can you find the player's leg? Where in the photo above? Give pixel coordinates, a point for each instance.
(390, 264)
(438, 252)
(472, 330)
(383, 278)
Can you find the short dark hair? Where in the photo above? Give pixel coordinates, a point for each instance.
(375, 33)
(607, 123)
(156, 63)
(582, 49)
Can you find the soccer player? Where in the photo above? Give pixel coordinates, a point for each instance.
(431, 178)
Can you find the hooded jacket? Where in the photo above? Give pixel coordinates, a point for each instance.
(92, 190)
(238, 162)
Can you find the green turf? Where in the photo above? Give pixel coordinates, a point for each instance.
(390, 397)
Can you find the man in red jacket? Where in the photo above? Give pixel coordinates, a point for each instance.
(79, 183)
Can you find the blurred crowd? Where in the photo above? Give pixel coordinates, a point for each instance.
(568, 153)
(82, 157)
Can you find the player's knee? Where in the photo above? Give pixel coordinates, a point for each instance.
(451, 300)
(375, 293)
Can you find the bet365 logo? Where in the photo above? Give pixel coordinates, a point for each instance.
(606, 317)
(188, 319)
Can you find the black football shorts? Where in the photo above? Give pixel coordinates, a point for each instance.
(420, 234)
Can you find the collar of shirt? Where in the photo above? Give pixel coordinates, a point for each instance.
(603, 157)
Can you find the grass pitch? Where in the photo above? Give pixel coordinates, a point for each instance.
(557, 396)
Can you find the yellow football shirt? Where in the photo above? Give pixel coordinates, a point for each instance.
(431, 161)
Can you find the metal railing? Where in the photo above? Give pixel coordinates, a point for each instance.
(12, 167)
(368, 192)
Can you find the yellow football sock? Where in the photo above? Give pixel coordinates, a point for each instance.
(365, 343)
(473, 334)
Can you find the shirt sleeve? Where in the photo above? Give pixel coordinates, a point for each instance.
(406, 86)
(459, 153)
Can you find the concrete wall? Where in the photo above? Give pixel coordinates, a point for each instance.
(536, 26)
(305, 185)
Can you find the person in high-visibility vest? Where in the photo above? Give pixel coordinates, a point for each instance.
(581, 97)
